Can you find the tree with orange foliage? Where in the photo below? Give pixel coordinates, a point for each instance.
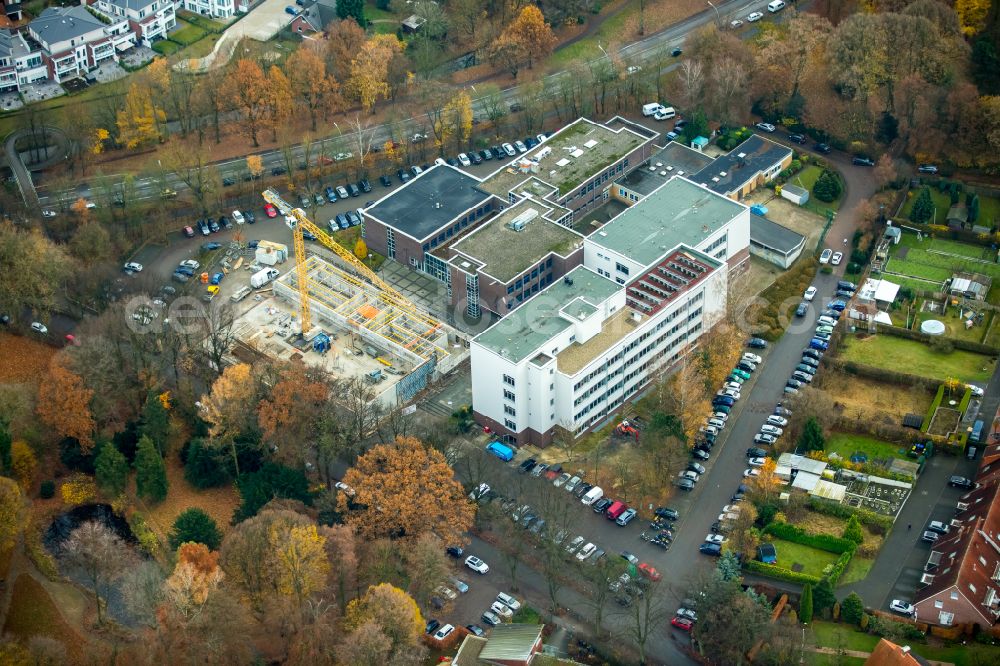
(195, 577)
(288, 416)
(310, 83)
(369, 78)
(403, 490)
(528, 38)
(64, 403)
(247, 87)
(229, 407)
(344, 41)
(301, 561)
(764, 485)
(396, 614)
(280, 92)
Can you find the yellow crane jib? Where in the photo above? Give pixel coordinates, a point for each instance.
(386, 292)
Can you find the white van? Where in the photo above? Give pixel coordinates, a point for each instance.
(664, 113)
(775, 6)
(592, 496)
(651, 108)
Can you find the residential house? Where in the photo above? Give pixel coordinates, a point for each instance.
(150, 20)
(961, 583)
(747, 167)
(217, 8)
(72, 40)
(21, 61)
(887, 653)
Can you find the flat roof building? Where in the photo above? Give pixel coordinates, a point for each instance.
(673, 160)
(509, 258)
(774, 243)
(745, 168)
(573, 355)
(574, 167)
(679, 212)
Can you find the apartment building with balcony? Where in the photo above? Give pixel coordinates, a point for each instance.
(216, 8)
(72, 41)
(150, 20)
(21, 61)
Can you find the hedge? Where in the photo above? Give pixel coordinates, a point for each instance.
(882, 374)
(166, 47)
(827, 542)
(958, 343)
(840, 566)
(966, 399)
(935, 403)
(779, 573)
(874, 521)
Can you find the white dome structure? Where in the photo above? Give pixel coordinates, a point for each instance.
(932, 327)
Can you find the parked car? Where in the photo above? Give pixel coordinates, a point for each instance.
(683, 623)
(901, 607)
(837, 258)
(927, 168)
(365, 186)
(491, 618)
(860, 160)
(756, 452)
(509, 149)
(754, 16)
(667, 513)
(385, 180)
(509, 601)
(763, 438)
(270, 210)
(802, 309)
(810, 293)
(797, 138)
(961, 482)
(939, 527)
(710, 549)
(803, 377)
(822, 148)
(477, 565)
(757, 343)
(824, 257)
(929, 537)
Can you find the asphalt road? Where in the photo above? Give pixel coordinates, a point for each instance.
(637, 52)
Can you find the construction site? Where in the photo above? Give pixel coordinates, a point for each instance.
(336, 314)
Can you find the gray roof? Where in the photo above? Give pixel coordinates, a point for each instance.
(795, 189)
(57, 24)
(774, 236)
(134, 5)
(674, 160)
(430, 202)
(512, 642)
(742, 164)
(679, 212)
(547, 314)
(6, 44)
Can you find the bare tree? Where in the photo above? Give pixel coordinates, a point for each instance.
(216, 325)
(646, 615)
(100, 555)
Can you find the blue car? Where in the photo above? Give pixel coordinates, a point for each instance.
(331, 194)
(342, 221)
(816, 343)
(217, 278)
(291, 10)
(837, 305)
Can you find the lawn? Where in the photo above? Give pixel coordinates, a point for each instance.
(845, 637)
(813, 560)
(807, 178)
(955, 324)
(33, 613)
(186, 33)
(933, 264)
(166, 47)
(942, 202)
(201, 48)
(857, 569)
(817, 659)
(846, 444)
(916, 358)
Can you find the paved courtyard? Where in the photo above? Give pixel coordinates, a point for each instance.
(109, 71)
(138, 56)
(36, 92)
(11, 101)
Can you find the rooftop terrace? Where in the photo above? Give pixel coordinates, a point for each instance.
(523, 331)
(567, 158)
(678, 213)
(504, 253)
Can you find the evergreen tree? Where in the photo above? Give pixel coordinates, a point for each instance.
(155, 422)
(853, 531)
(111, 470)
(197, 526)
(729, 566)
(852, 608)
(151, 473)
(823, 596)
(811, 438)
(352, 9)
(204, 467)
(5, 440)
(973, 208)
(923, 207)
(827, 187)
(806, 604)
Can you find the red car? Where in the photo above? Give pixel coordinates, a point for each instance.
(189, 232)
(682, 623)
(649, 572)
(270, 210)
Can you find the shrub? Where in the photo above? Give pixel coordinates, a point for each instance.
(779, 573)
(111, 470)
(852, 608)
(144, 534)
(923, 206)
(150, 472)
(853, 530)
(197, 526)
(47, 489)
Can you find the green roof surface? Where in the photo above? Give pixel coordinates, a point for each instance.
(524, 330)
(680, 212)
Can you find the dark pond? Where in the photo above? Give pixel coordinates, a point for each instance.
(65, 523)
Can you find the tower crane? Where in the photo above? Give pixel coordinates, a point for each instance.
(386, 293)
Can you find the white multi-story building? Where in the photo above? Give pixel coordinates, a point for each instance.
(71, 40)
(654, 279)
(149, 19)
(20, 64)
(216, 8)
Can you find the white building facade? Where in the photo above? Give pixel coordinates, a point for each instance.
(150, 20)
(215, 8)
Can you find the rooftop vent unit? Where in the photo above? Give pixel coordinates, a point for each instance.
(568, 281)
(521, 221)
(543, 152)
(722, 174)
(659, 164)
(663, 173)
(680, 173)
(562, 162)
(577, 153)
(437, 204)
(715, 179)
(652, 168)
(670, 168)
(590, 144)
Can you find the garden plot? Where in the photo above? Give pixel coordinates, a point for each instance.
(931, 261)
(945, 421)
(882, 496)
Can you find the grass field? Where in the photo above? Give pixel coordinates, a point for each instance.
(846, 444)
(817, 659)
(842, 636)
(807, 178)
(857, 569)
(186, 33)
(989, 207)
(916, 358)
(813, 560)
(33, 613)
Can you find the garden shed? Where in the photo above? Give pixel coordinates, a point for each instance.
(797, 195)
(829, 490)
